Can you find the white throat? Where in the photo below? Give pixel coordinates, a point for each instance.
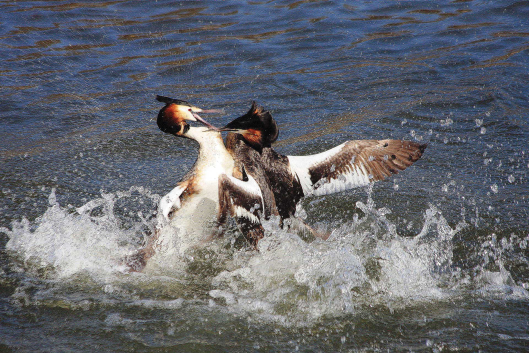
(212, 150)
(207, 138)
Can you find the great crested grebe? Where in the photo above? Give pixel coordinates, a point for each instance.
(216, 187)
(285, 180)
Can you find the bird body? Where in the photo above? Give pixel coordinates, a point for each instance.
(216, 187)
(285, 180)
(192, 206)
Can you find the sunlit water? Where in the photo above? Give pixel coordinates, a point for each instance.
(433, 259)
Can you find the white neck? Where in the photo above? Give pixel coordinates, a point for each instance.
(212, 148)
(204, 136)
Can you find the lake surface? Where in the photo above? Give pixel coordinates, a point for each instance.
(433, 259)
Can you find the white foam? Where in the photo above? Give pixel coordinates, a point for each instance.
(289, 281)
(74, 242)
(363, 263)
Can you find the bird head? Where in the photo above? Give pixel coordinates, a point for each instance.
(257, 127)
(173, 117)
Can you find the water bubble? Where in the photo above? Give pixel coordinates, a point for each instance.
(447, 122)
(483, 130)
(511, 179)
(479, 122)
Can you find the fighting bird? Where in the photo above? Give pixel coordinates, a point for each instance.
(215, 188)
(285, 180)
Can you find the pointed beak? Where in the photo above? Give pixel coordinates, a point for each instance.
(199, 119)
(207, 111)
(229, 129)
(234, 126)
(195, 110)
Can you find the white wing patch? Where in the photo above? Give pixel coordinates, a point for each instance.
(243, 212)
(356, 178)
(243, 200)
(250, 186)
(299, 165)
(171, 201)
(245, 197)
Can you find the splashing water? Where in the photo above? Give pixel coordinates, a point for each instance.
(364, 262)
(68, 241)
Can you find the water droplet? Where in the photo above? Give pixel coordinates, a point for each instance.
(447, 122)
(483, 130)
(511, 179)
(494, 188)
(479, 122)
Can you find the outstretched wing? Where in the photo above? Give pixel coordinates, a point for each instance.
(353, 164)
(244, 202)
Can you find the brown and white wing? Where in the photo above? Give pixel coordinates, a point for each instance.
(243, 201)
(353, 164)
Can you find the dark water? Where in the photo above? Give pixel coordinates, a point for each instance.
(435, 259)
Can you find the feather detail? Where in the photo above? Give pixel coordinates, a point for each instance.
(353, 164)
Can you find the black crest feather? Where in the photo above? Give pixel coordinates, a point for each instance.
(168, 100)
